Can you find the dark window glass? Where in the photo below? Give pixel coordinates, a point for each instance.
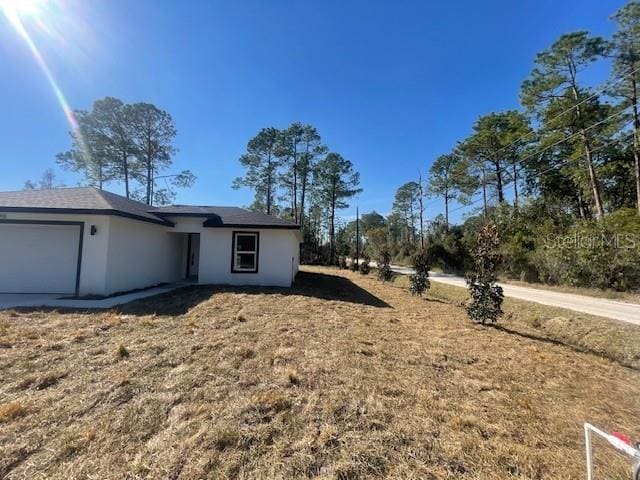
(246, 243)
(246, 261)
(245, 252)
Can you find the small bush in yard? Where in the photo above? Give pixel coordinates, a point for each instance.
(384, 265)
(342, 262)
(122, 352)
(364, 265)
(9, 411)
(420, 280)
(353, 266)
(293, 377)
(486, 296)
(225, 437)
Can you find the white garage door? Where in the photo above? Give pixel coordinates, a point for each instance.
(38, 258)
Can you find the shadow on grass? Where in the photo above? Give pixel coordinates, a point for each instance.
(309, 284)
(437, 300)
(181, 300)
(566, 344)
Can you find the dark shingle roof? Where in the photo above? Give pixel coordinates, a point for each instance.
(226, 216)
(77, 200)
(94, 201)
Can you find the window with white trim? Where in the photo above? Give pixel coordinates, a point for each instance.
(245, 252)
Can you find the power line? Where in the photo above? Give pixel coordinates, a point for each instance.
(602, 147)
(564, 112)
(555, 144)
(594, 95)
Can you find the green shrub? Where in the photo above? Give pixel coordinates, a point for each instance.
(591, 253)
(486, 295)
(404, 253)
(364, 265)
(447, 250)
(419, 282)
(384, 265)
(122, 352)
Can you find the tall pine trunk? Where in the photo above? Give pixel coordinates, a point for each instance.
(593, 177)
(100, 173)
(332, 232)
(636, 139)
(294, 196)
(303, 187)
(303, 192)
(125, 167)
(446, 209)
(421, 193)
(269, 182)
(304, 179)
(581, 209)
(515, 184)
(412, 229)
(149, 155)
(152, 184)
(149, 180)
(499, 186)
(636, 158)
(484, 193)
(595, 185)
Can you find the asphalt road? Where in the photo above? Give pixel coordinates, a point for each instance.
(626, 312)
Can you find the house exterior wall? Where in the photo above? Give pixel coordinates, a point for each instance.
(278, 257)
(141, 254)
(125, 254)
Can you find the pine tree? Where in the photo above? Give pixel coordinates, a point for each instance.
(626, 73)
(554, 85)
(449, 178)
(261, 163)
(497, 141)
(335, 182)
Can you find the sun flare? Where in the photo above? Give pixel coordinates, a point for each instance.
(22, 7)
(18, 10)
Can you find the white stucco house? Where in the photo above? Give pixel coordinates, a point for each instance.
(86, 241)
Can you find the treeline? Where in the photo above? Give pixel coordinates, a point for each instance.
(560, 177)
(293, 175)
(128, 144)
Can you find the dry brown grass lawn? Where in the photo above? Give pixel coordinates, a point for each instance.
(616, 340)
(341, 377)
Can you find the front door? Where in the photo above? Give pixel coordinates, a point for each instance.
(193, 255)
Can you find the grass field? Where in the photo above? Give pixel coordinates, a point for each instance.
(341, 377)
(616, 340)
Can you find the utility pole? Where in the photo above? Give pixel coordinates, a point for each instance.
(357, 236)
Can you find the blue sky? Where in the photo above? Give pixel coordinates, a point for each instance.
(389, 85)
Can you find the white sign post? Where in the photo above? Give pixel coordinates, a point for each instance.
(617, 442)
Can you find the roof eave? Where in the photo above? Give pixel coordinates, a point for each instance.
(252, 225)
(180, 214)
(88, 211)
